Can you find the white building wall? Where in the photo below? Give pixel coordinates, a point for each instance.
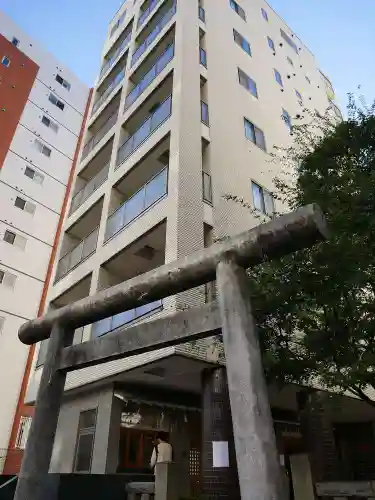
(28, 262)
(232, 160)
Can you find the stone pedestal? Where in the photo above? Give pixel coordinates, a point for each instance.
(218, 483)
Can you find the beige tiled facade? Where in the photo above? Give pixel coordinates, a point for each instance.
(163, 226)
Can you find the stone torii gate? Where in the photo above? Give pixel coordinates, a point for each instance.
(258, 467)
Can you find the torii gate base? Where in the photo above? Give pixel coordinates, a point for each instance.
(258, 467)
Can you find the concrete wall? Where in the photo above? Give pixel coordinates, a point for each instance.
(44, 192)
(66, 436)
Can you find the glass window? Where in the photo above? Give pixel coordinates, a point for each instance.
(5, 61)
(203, 57)
(85, 441)
(271, 44)
(264, 14)
(202, 14)
(50, 124)
(240, 40)
(254, 134)
(286, 117)
(298, 94)
(239, 10)
(278, 78)
(64, 83)
(15, 41)
(59, 104)
(262, 199)
(9, 237)
(20, 203)
(247, 82)
(289, 41)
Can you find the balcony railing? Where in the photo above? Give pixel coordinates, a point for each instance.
(149, 126)
(82, 251)
(108, 324)
(150, 76)
(109, 62)
(154, 33)
(118, 78)
(95, 139)
(91, 186)
(204, 113)
(147, 12)
(207, 187)
(154, 190)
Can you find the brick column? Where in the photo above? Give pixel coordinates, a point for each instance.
(217, 483)
(317, 431)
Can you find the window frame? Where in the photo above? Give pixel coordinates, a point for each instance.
(64, 83)
(266, 198)
(85, 431)
(238, 9)
(10, 235)
(19, 205)
(35, 175)
(243, 42)
(51, 124)
(250, 86)
(56, 101)
(272, 44)
(278, 77)
(256, 134)
(6, 61)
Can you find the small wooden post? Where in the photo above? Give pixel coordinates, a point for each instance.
(258, 466)
(33, 481)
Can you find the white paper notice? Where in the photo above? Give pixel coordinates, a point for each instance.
(220, 454)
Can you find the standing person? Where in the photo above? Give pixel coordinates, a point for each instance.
(162, 452)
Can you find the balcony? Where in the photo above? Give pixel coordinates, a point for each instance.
(164, 20)
(109, 324)
(109, 62)
(146, 253)
(79, 241)
(160, 115)
(81, 252)
(99, 134)
(149, 194)
(150, 76)
(108, 90)
(207, 187)
(91, 186)
(144, 15)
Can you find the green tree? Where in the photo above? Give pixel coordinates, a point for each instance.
(315, 309)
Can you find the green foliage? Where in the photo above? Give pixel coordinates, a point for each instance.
(315, 308)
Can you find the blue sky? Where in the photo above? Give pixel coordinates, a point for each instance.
(340, 33)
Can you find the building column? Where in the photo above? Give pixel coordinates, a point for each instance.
(317, 431)
(218, 483)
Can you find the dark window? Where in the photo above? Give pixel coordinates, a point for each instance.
(264, 14)
(247, 82)
(240, 40)
(308, 79)
(9, 237)
(238, 9)
(85, 441)
(278, 78)
(262, 199)
(289, 61)
(29, 172)
(15, 41)
(5, 61)
(289, 41)
(2, 274)
(286, 117)
(64, 83)
(20, 203)
(254, 134)
(46, 121)
(271, 44)
(52, 98)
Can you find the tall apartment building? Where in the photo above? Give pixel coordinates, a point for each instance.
(41, 111)
(191, 97)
